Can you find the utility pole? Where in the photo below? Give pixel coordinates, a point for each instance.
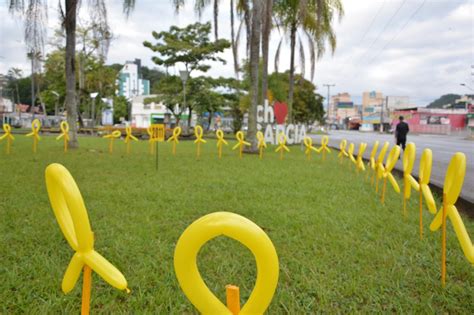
(381, 113)
(329, 92)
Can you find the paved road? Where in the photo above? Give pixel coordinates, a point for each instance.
(443, 148)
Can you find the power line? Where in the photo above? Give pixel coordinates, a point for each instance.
(373, 20)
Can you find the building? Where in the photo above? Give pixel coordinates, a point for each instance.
(374, 111)
(342, 112)
(130, 81)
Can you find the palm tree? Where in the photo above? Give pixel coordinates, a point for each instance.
(16, 74)
(266, 31)
(313, 20)
(35, 22)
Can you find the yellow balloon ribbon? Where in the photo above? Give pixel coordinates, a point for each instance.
(409, 182)
(282, 145)
(198, 132)
(342, 150)
(372, 164)
(452, 188)
(324, 146)
(308, 143)
(379, 163)
(240, 229)
(129, 137)
(360, 155)
(424, 175)
(112, 136)
(35, 128)
(71, 214)
(175, 138)
(8, 136)
(240, 142)
(64, 126)
(220, 142)
(261, 143)
(386, 171)
(350, 153)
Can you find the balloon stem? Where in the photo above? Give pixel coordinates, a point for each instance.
(174, 148)
(383, 190)
(233, 299)
(421, 214)
(443, 245)
(86, 290)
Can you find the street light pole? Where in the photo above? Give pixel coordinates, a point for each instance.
(184, 74)
(329, 91)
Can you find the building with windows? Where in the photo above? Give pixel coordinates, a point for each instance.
(130, 82)
(342, 111)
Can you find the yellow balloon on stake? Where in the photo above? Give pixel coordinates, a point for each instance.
(220, 142)
(379, 163)
(452, 188)
(408, 181)
(129, 137)
(386, 171)
(241, 142)
(324, 146)
(261, 143)
(424, 188)
(71, 214)
(198, 132)
(342, 150)
(246, 232)
(360, 162)
(64, 134)
(175, 138)
(7, 135)
(282, 145)
(372, 164)
(308, 143)
(112, 136)
(35, 127)
(350, 153)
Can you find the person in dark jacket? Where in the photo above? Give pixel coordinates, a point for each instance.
(401, 132)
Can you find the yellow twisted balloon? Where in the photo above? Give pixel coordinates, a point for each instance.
(408, 181)
(360, 162)
(350, 153)
(238, 228)
(424, 175)
(308, 142)
(35, 127)
(386, 171)
(342, 151)
(64, 134)
(7, 135)
(129, 137)
(112, 136)
(282, 145)
(452, 188)
(220, 141)
(324, 146)
(175, 138)
(241, 142)
(198, 132)
(372, 164)
(71, 214)
(379, 163)
(261, 143)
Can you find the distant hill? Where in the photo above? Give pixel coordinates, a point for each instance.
(444, 100)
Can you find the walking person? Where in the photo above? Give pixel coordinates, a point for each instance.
(401, 132)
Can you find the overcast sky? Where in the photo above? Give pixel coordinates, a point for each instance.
(416, 48)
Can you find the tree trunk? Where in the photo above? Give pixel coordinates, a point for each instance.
(33, 98)
(216, 15)
(233, 41)
(71, 102)
(292, 73)
(248, 25)
(267, 29)
(254, 60)
(190, 111)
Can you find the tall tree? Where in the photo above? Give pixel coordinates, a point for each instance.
(266, 31)
(16, 74)
(313, 19)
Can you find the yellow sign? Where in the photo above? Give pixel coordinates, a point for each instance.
(308, 142)
(71, 214)
(324, 146)
(35, 127)
(452, 188)
(129, 137)
(64, 134)
(386, 171)
(7, 135)
(175, 138)
(112, 136)
(198, 132)
(408, 181)
(238, 228)
(241, 142)
(261, 143)
(157, 132)
(220, 142)
(342, 150)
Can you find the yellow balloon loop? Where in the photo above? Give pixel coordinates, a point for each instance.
(371, 163)
(379, 164)
(71, 214)
(324, 146)
(246, 232)
(64, 126)
(198, 132)
(112, 136)
(386, 171)
(240, 142)
(342, 151)
(8, 136)
(308, 142)
(35, 128)
(350, 153)
(424, 175)
(220, 141)
(261, 143)
(360, 155)
(175, 138)
(129, 136)
(409, 182)
(282, 145)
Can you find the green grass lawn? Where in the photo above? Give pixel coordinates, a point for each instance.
(340, 250)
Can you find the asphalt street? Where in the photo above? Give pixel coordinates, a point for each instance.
(443, 148)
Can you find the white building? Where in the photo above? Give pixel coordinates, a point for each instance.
(145, 114)
(130, 82)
